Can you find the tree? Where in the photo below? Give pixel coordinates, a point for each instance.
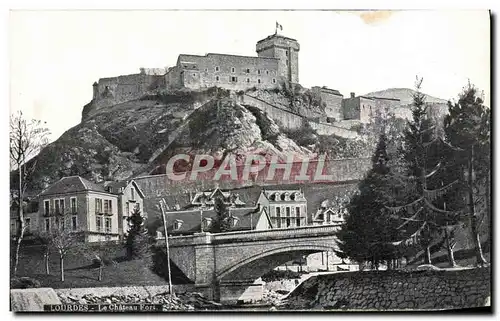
(467, 129)
(136, 243)
(368, 229)
(27, 138)
(61, 239)
(101, 254)
(423, 214)
(44, 239)
(222, 221)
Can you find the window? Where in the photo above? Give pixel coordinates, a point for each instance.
(127, 209)
(108, 224)
(47, 224)
(267, 72)
(56, 207)
(206, 222)
(132, 193)
(278, 212)
(13, 227)
(46, 207)
(297, 211)
(286, 61)
(98, 205)
(258, 71)
(106, 208)
(73, 204)
(98, 223)
(233, 79)
(278, 223)
(247, 70)
(28, 224)
(217, 78)
(286, 53)
(177, 224)
(232, 69)
(217, 68)
(248, 79)
(61, 204)
(298, 221)
(274, 80)
(287, 211)
(74, 222)
(258, 81)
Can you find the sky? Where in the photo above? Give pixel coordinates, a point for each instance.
(55, 56)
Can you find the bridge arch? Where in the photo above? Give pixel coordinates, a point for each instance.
(253, 267)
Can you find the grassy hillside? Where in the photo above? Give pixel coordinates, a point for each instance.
(81, 272)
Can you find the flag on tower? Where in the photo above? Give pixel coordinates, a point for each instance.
(278, 26)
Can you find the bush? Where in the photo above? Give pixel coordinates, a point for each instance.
(304, 136)
(24, 283)
(275, 275)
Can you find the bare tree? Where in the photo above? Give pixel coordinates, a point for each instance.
(27, 138)
(62, 239)
(45, 241)
(101, 253)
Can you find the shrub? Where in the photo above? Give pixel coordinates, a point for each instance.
(304, 136)
(24, 283)
(275, 275)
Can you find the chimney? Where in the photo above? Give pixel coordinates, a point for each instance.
(353, 94)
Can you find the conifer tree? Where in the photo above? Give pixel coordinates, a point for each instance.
(368, 229)
(467, 129)
(222, 221)
(136, 243)
(423, 214)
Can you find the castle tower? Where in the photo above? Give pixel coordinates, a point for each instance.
(286, 50)
(95, 93)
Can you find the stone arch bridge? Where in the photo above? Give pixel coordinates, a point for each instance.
(224, 266)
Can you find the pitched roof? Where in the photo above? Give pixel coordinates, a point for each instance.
(72, 184)
(191, 220)
(117, 187)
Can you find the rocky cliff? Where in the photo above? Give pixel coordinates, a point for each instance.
(135, 137)
(138, 137)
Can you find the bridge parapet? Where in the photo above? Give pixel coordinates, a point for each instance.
(275, 234)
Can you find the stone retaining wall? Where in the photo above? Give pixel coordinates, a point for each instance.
(141, 291)
(394, 290)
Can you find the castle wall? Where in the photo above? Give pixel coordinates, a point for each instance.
(282, 117)
(367, 109)
(329, 129)
(115, 90)
(333, 102)
(225, 71)
(350, 108)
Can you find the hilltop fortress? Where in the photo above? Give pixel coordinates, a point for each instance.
(276, 67)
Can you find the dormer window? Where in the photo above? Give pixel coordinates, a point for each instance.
(234, 220)
(282, 197)
(207, 221)
(177, 224)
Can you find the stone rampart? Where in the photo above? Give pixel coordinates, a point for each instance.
(394, 290)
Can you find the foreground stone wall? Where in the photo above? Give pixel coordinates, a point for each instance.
(394, 290)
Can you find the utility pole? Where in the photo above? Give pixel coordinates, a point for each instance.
(162, 203)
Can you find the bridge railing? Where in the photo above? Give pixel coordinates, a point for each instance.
(303, 231)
